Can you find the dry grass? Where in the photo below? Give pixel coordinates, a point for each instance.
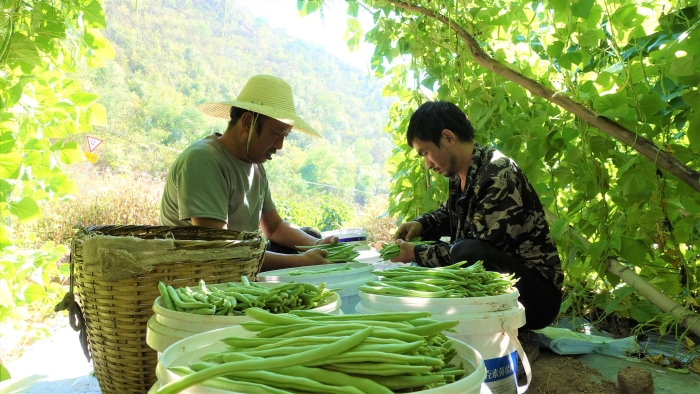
(379, 229)
(103, 199)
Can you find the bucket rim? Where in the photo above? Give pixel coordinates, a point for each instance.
(443, 301)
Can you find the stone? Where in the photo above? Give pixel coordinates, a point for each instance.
(635, 381)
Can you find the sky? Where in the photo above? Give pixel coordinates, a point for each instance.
(328, 32)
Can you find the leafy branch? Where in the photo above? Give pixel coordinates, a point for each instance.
(641, 144)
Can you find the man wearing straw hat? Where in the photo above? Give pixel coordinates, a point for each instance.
(219, 181)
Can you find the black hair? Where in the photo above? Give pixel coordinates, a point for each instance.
(237, 113)
(432, 117)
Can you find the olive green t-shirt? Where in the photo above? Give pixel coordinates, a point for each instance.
(207, 181)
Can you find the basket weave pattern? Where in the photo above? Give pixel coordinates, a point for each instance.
(116, 312)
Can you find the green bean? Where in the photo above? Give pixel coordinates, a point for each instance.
(387, 317)
(376, 356)
(296, 383)
(382, 369)
(446, 282)
(345, 267)
(415, 347)
(430, 329)
(328, 377)
(166, 297)
(275, 362)
(400, 382)
(231, 385)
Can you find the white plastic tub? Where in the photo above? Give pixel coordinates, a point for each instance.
(166, 326)
(192, 348)
(489, 324)
(347, 282)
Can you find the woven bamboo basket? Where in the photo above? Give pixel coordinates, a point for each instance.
(116, 312)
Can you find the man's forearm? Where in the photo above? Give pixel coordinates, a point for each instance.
(289, 236)
(275, 261)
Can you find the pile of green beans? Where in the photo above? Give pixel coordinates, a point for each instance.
(345, 267)
(311, 352)
(236, 298)
(337, 253)
(389, 251)
(444, 282)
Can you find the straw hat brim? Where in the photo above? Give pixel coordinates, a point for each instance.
(223, 110)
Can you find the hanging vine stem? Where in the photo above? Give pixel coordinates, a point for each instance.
(641, 144)
(5, 48)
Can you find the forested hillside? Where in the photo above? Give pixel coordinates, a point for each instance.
(173, 55)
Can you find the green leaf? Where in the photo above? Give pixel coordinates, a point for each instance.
(353, 8)
(70, 153)
(25, 209)
(569, 60)
(555, 49)
(634, 251)
(13, 95)
(596, 251)
(93, 15)
(651, 104)
(6, 298)
(623, 292)
(4, 373)
(558, 228)
(611, 105)
(7, 143)
(9, 164)
(353, 25)
(626, 17)
(590, 38)
(23, 51)
(83, 99)
(602, 147)
(692, 99)
(643, 311)
(694, 132)
(559, 5)
(97, 115)
(582, 8)
(683, 67)
(5, 237)
(34, 293)
(61, 184)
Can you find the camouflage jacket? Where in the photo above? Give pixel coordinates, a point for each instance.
(499, 207)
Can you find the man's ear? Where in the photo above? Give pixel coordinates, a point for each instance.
(449, 136)
(246, 120)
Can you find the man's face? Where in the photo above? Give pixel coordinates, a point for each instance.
(439, 159)
(270, 139)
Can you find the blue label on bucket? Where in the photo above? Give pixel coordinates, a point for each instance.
(501, 367)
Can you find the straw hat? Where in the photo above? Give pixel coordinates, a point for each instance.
(266, 95)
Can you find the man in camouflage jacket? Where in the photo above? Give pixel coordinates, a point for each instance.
(492, 212)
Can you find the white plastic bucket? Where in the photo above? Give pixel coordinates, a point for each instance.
(190, 349)
(347, 282)
(357, 236)
(489, 324)
(166, 326)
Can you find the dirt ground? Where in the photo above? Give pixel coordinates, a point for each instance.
(555, 374)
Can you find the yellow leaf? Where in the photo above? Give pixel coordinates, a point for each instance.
(656, 359)
(688, 342)
(695, 365)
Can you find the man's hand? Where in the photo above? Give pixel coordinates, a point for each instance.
(332, 240)
(406, 254)
(408, 231)
(313, 257)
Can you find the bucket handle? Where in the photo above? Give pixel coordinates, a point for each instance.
(521, 353)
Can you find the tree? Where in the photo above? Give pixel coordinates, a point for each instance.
(596, 100)
(43, 44)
